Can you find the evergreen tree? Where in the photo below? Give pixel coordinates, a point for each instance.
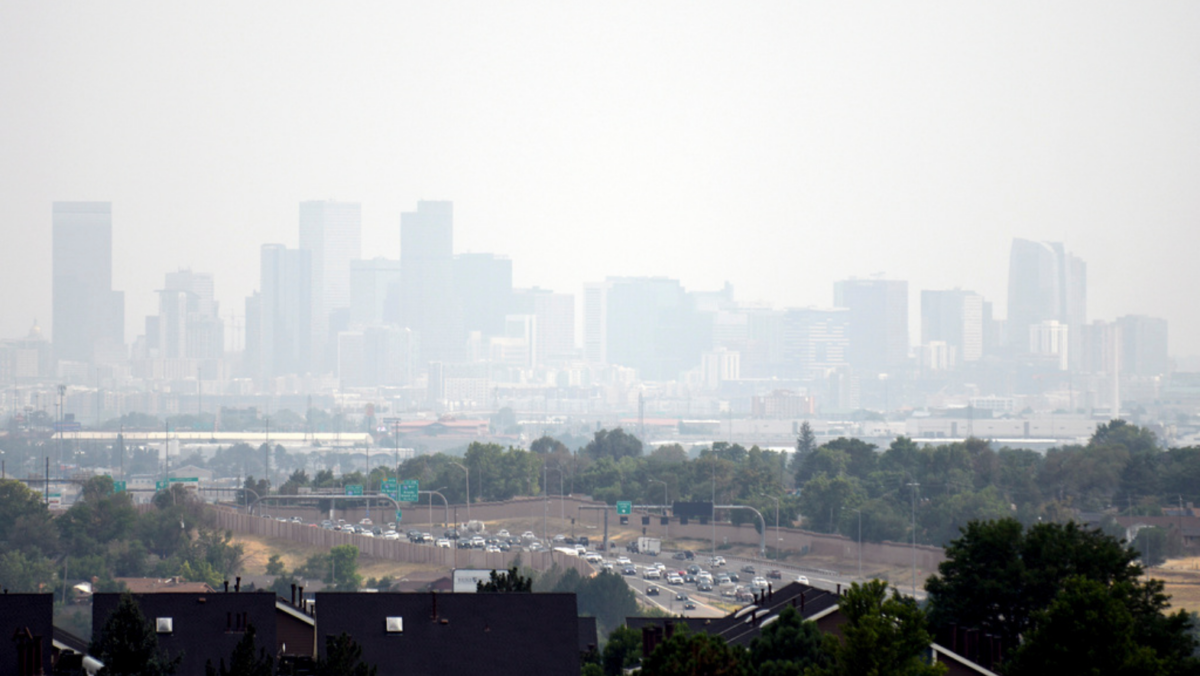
(243, 662)
(127, 644)
(507, 582)
(688, 654)
(787, 646)
(343, 657)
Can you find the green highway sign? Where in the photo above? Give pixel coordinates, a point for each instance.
(354, 489)
(397, 516)
(409, 490)
(624, 507)
(118, 487)
(190, 480)
(160, 485)
(389, 488)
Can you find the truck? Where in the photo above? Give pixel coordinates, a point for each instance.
(651, 546)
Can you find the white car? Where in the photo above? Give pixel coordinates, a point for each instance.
(623, 560)
(593, 557)
(367, 534)
(674, 579)
(503, 533)
(443, 543)
(528, 535)
(652, 573)
(391, 535)
(801, 579)
(759, 583)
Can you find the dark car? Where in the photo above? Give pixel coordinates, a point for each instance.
(689, 605)
(681, 597)
(679, 556)
(733, 577)
(775, 575)
(629, 570)
(651, 591)
(583, 540)
(693, 569)
(689, 554)
(748, 569)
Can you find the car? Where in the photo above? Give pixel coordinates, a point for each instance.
(391, 525)
(729, 592)
(492, 548)
(801, 579)
(367, 534)
(528, 535)
(593, 557)
(680, 596)
(502, 534)
(748, 569)
(674, 579)
(629, 570)
(477, 542)
(723, 579)
(733, 577)
(464, 544)
(704, 587)
(391, 535)
(679, 556)
(443, 543)
(718, 560)
(693, 569)
(689, 554)
(660, 565)
(377, 530)
(366, 521)
(652, 573)
(775, 574)
(689, 578)
(651, 590)
(759, 583)
(622, 559)
(296, 519)
(689, 605)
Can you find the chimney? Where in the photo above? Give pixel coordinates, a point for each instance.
(293, 594)
(237, 585)
(301, 591)
(839, 589)
(226, 586)
(770, 592)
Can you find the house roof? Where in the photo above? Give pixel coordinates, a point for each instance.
(448, 634)
(151, 585)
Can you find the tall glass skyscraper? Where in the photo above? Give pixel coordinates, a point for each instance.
(332, 234)
(88, 316)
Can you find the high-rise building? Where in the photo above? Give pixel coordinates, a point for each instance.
(878, 323)
(956, 319)
(332, 234)
(483, 286)
(1045, 282)
(427, 302)
(189, 322)
(595, 317)
(814, 342)
(555, 313)
(1143, 346)
(374, 292)
(88, 316)
(1051, 338)
(284, 312)
(652, 326)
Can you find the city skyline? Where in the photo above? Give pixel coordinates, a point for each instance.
(781, 148)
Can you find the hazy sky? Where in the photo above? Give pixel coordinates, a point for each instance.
(780, 146)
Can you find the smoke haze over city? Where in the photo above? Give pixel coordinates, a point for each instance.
(779, 148)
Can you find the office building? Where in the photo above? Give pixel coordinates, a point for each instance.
(483, 286)
(188, 324)
(332, 234)
(815, 342)
(878, 323)
(595, 328)
(652, 326)
(88, 316)
(956, 319)
(1045, 282)
(374, 292)
(555, 313)
(284, 312)
(427, 301)
(1051, 338)
(1143, 346)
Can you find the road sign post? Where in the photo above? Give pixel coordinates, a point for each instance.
(409, 490)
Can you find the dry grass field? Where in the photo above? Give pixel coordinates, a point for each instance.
(1182, 580)
(293, 554)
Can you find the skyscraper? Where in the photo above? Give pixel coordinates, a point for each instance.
(284, 309)
(955, 318)
(878, 322)
(652, 325)
(332, 234)
(483, 287)
(427, 302)
(595, 322)
(88, 316)
(815, 341)
(1045, 282)
(1143, 345)
(555, 313)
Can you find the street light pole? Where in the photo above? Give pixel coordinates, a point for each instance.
(777, 548)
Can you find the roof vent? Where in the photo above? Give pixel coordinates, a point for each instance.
(395, 625)
(164, 625)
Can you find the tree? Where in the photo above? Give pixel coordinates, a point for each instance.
(825, 499)
(687, 654)
(508, 582)
(343, 568)
(127, 644)
(343, 658)
(243, 661)
(1085, 630)
(787, 646)
(606, 597)
(806, 441)
(16, 501)
(275, 565)
(882, 635)
(624, 650)
(1001, 580)
(616, 444)
(548, 446)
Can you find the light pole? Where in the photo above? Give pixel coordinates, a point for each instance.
(464, 468)
(666, 501)
(914, 485)
(859, 510)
